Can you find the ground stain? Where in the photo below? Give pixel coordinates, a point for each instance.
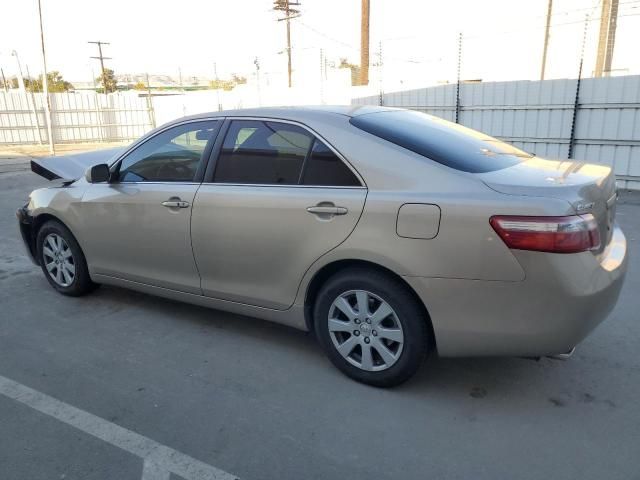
(557, 402)
(478, 392)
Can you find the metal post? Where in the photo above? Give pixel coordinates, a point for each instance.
(458, 82)
(45, 86)
(576, 104)
(152, 115)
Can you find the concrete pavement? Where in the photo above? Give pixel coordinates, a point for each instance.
(261, 401)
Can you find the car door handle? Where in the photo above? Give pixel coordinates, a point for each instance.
(175, 203)
(327, 210)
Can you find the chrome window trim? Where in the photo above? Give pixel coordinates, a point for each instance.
(280, 185)
(363, 184)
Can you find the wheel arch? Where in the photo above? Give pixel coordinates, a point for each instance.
(324, 273)
(38, 222)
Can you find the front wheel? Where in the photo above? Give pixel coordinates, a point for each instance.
(62, 260)
(371, 327)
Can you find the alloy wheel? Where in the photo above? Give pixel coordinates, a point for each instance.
(365, 330)
(58, 260)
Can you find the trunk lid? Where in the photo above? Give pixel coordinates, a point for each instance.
(589, 188)
(72, 167)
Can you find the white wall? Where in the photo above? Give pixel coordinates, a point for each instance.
(537, 116)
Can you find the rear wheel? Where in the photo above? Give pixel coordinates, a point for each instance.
(62, 260)
(371, 327)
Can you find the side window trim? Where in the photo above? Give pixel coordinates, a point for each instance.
(206, 155)
(215, 152)
(222, 132)
(306, 159)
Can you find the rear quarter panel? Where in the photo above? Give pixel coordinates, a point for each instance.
(466, 246)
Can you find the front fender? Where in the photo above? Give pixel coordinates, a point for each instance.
(61, 203)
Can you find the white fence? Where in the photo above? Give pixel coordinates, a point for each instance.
(539, 116)
(75, 117)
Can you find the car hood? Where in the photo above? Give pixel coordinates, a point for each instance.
(72, 167)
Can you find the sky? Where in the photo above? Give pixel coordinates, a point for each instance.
(502, 39)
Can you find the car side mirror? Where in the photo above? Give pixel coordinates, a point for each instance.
(98, 173)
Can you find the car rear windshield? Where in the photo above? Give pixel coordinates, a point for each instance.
(444, 142)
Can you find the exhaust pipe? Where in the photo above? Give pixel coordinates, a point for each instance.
(562, 356)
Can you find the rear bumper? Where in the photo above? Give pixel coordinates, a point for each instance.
(25, 223)
(561, 300)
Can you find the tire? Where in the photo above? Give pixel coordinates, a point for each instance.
(403, 331)
(62, 260)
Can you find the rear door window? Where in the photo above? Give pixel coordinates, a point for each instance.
(259, 152)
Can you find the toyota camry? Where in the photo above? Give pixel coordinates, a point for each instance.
(389, 233)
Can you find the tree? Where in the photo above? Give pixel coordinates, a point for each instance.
(55, 83)
(139, 86)
(109, 81)
(355, 70)
(238, 79)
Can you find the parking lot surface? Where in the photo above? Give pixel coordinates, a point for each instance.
(121, 385)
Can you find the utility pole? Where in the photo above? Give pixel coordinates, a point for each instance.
(607, 38)
(215, 73)
(457, 113)
(364, 43)
(45, 85)
(380, 82)
(289, 14)
(322, 63)
(256, 62)
(546, 39)
(102, 58)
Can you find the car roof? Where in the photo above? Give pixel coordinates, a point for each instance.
(294, 112)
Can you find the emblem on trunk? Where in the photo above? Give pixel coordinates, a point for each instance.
(584, 207)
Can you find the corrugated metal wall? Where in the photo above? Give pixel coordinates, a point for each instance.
(537, 116)
(75, 117)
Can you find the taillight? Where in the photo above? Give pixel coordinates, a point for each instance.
(571, 234)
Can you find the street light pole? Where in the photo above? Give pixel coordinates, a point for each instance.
(21, 84)
(45, 85)
(23, 87)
